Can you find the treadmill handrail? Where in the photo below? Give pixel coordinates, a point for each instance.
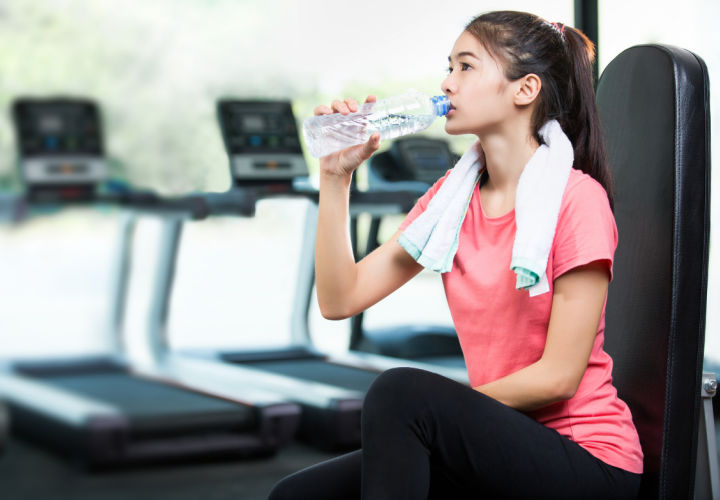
(193, 207)
(235, 202)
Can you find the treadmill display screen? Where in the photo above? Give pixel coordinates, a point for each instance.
(430, 159)
(57, 127)
(258, 127)
(424, 159)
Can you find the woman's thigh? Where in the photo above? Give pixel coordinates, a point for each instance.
(475, 446)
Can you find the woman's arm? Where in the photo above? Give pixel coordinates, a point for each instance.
(578, 301)
(345, 288)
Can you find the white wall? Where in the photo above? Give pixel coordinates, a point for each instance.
(691, 24)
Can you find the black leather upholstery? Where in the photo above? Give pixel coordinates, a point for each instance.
(654, 107)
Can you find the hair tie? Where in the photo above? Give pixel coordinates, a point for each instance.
(560, 28)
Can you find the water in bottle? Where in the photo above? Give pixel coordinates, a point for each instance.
(404, 114)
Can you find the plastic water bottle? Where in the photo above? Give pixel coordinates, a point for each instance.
(404, 114)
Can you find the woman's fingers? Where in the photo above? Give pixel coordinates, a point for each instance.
(361, 152)
(344, 107)
(372, 145)
(323, 110)
(369, 147)
(351, 104)
(340, 107)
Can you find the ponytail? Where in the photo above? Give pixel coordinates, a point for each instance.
(582, 122)
(562, 57)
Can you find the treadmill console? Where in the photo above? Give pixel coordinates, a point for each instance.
(424, 160)
(60, 148)
(262, 141)
(411, 159)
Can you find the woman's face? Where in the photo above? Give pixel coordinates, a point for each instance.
(480, 94)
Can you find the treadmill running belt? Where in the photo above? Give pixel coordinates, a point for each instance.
(138, 396)
(158, 408)
(317, 370)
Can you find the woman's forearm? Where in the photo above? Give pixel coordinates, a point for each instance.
(533, 387)
(335, 269)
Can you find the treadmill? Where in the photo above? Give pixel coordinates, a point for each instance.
(12, 208)
(4, 424)
(98, 409)
(266, 158)
(413, 164)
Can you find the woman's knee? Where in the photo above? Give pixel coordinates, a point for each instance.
(282, 490)
(338, 477)
(297, 486)
(399, 388)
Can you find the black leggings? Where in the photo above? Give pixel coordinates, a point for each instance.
(425, 436)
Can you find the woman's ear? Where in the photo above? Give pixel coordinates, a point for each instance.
(528, 89)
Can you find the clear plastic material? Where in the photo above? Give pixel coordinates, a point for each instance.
(404, 114)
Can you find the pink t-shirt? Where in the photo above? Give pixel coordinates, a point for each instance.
(502, 330)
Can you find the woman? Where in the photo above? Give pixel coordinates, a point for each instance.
(541, 418)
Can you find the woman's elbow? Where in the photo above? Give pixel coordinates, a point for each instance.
(560, 381)
(333, 312)
(332, 315)
(565, 392)
(564, 388)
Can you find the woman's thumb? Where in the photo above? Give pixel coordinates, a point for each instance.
(370, 146)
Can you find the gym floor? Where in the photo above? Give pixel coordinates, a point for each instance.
(30, 472)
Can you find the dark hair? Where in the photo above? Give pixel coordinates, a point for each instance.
(561, 57)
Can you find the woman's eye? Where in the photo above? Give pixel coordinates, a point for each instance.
(463, 67)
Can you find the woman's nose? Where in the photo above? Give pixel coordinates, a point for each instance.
(447, 85)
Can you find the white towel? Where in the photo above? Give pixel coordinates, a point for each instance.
(432, 238)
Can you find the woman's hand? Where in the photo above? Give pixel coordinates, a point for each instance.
(342, 163)
(344, 287)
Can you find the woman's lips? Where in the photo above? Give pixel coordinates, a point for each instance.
(450, 113)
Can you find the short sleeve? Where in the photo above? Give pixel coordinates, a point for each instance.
(586, 230)
(422, 203)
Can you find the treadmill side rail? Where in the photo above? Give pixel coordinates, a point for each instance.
(66, 406)
(238, 383)
(85, 428)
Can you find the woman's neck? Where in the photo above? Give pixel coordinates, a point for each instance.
(506, 155)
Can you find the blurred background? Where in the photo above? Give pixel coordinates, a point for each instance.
(157, 67)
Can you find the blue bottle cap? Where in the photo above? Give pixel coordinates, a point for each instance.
(441, 104)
